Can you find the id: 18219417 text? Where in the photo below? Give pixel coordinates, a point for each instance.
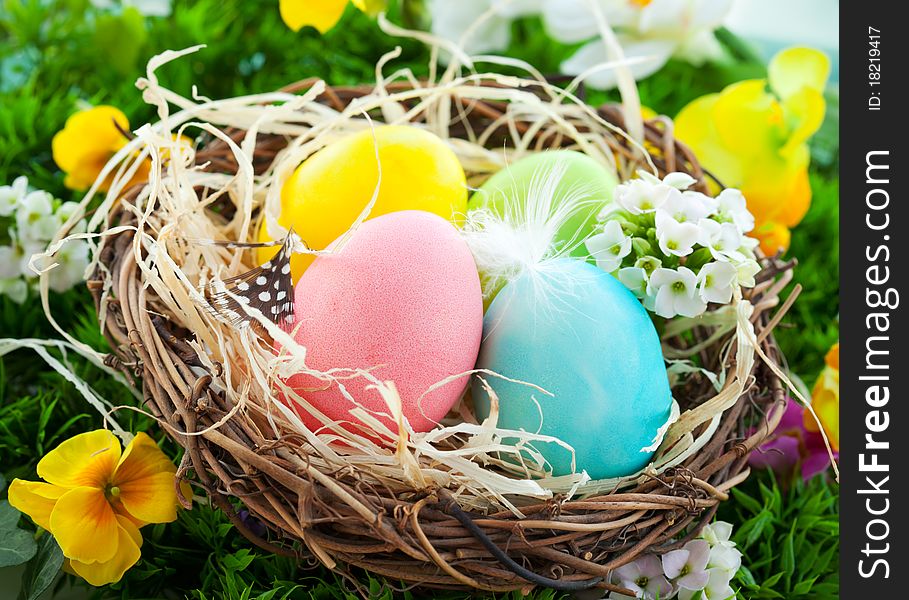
(874, 68)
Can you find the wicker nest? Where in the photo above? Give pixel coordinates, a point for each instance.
(345, 518)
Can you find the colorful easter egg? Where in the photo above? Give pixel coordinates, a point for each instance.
(326, 193)
(581, 180)
(579, 334)
(402, 298)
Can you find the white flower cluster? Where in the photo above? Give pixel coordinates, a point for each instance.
(703, 568)
(675, 248)
(28, 221)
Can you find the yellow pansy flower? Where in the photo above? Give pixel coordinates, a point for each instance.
(323, 14)
(94, 498)
(753, 136)
(825, 399)
(87, 142)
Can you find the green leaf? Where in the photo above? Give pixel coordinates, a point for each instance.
(747, 501)
(16, 545)
(746, 578)
(698, 259)
(772, 581)
(755, 527)
(42, 570)
(787, 560)
(119, 38)
(803, 587)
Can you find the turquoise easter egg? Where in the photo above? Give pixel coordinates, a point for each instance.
(578, 333)
(580, 178)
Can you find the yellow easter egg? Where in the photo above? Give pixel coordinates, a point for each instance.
(326, 193)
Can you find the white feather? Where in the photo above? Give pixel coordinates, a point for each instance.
(524, 237)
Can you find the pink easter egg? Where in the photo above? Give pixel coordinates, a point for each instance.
(403, 299)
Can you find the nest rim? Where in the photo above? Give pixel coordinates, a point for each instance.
(426, 539)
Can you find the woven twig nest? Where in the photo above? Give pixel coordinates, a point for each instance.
(432, 529)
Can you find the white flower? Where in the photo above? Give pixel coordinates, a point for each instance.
(635, 279)
(723, 554)
(718, 533)
(722, 239)
(72, 260)
(686, 207)
(717, 587)
(12, 195)
(677, 180)
(571, 21)
(15, 288)
(609, 247)
(9, 262)
(649, 55)
(709, 202)
(455, 20)
(28, 250)
(731, 208)
(64, 212)
(745, 271)
(640, 196)
(644, 576)
(652, 31)
(648, 263)
(748, 245)
(715, 281)
(35, 220)
(674, 237)
(149, 8)
(726, 558)
(687, 566)
(675, 293)
(680, 181)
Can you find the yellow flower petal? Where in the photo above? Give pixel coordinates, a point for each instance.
(370, 7)
(773, 237)
(833, 357)
(776, 189)
(798, 200)
(129, 540)
(321, 14)
(825, 400)
(152, 499)
(804, 116)
(795, 68)
(142, 458)
(87, 142)
(648, 113)
(88, 459)
(694, 123)
(85, 526)
(748, 119)
(35, 498)
(145, 480)
(695, 126)
(91, 130)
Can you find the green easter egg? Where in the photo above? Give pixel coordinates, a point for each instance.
(521, 192)
(579, 176)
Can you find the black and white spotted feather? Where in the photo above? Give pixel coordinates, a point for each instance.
(268, 287)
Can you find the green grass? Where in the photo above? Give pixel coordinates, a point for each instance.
(54, 54)
(790, 538)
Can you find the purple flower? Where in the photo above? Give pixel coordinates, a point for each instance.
(687, 566)
(645, 578)
(252, 523)
(792, 446)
